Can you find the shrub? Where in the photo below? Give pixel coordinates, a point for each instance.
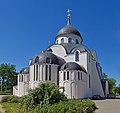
(12, 99)
(7, 92)
(46, 93)
(71, 106)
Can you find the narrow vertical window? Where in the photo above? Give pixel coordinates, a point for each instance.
(89, 58)
(89, 81)
(81, 76)
(46, 72)
(49, 72)
(67, 75)
(64, 76)
(70, 40)
(21, 78)
(48, 60)
(62, 41)
(78, 75)
(77, 41)
(42, 73)
(57, 42)
(76, 56)
(36, 72)
(37, 59)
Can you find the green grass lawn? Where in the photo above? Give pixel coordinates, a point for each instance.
(12, 107)
(73, 105)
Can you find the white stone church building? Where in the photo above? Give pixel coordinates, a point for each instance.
(67, 63)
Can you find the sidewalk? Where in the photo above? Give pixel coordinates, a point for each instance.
(108, 106)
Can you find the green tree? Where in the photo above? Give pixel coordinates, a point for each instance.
(46, 93)
(111, 82)
(8, 75)
(116, 90)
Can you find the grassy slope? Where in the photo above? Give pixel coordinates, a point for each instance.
(11, 107)
(78, 105)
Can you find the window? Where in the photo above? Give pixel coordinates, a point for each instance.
(62, 41)
(81, 76)
(70, 40)
(67, 75)
(78, 75)
(19, 78)
(76, 56)
(46, 72)
(89, 81)
(49, 72)
(89, 58)
(48, 60)
(37, 59)
(36, 72)
(57, 42)
(22, 78)
(77, 41)
(64, 76)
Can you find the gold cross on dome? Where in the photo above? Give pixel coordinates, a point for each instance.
(68, 11)
(68, 15)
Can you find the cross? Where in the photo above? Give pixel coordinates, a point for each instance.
(68, 15)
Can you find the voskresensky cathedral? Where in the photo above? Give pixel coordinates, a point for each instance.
(68, 63)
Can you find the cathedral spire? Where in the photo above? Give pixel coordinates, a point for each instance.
(68, 16)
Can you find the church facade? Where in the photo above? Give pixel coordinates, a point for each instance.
(69, 64)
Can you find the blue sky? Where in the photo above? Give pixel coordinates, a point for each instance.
(26, 26)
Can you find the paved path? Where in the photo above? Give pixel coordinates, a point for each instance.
(1, 109)
(108, 106)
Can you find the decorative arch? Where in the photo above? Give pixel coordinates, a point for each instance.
(59, 50)
(73, 90)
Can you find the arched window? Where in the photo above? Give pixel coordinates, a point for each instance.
(56, 41)
(64, 76)
(22, 78)
(81, 76)
(49, 72)
(77, 41)
(67, 75)
(62, 41)
(78, 75)
(70, 40)
(37, 59)
(36, 72)
(76, 56)
(48, 60)
(46, 72)
(89, 81)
